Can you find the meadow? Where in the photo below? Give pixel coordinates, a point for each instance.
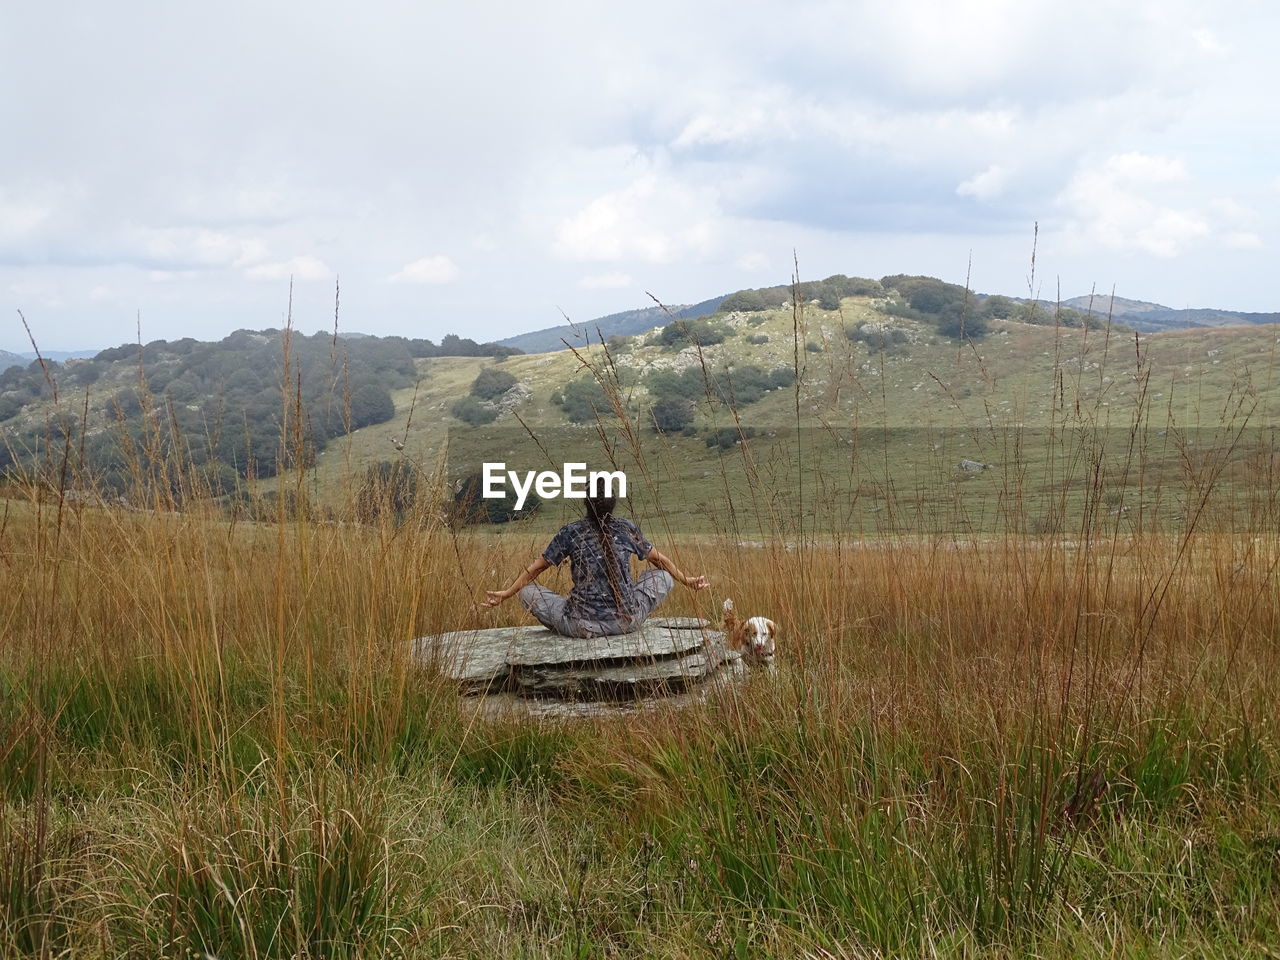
(1051, 739)
(212, 740)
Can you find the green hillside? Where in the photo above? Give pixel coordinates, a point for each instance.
(913, 408)
(873, 432)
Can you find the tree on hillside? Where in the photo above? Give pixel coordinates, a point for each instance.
(692, 332)
(960, 324)
(999, 308)
(370, 404)
(583, 400)
(744, 301)
(672, 414)
(492, 383)
(935, 296)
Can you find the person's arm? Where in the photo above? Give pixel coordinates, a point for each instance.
(529, 574)
(664, 562)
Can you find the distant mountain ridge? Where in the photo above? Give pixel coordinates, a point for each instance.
(10, 359)
(623, 324)
(1152, 317)
(1141, 315)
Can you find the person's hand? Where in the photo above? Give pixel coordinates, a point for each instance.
(698, 583)
(494, 597)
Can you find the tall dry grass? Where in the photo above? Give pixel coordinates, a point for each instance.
(213, 741)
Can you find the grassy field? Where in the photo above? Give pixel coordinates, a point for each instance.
(1023, 711)
(212, 743)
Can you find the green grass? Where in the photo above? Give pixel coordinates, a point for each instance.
(1009, 718)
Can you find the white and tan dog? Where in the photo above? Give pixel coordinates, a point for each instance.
(753, 637)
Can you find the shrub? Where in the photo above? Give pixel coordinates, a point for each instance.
(877, 337)
(959, 324)
(492, 383)
(672, 414)
(899, 308)
(1000, 308)
(583, 400)
(813, 346)
(740, 386)
(726, 437)
(758, 338)
(471, 506)
(692, 332)
(472, 411)
(781, 377)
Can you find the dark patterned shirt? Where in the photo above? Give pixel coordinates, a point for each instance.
(593, 596)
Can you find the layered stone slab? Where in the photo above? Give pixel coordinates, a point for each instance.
(628, 681)
(667, 654)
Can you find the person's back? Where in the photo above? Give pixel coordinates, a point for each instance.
(605, 601)
(599, 562)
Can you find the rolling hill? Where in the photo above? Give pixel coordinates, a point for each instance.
(1143, 315)
(857, 416)
(622, 324)
(897, 429)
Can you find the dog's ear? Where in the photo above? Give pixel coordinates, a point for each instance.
(772, 628)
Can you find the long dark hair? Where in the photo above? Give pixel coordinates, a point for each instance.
(600, 512)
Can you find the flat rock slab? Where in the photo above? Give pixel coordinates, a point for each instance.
(489, 659)
(662, 677)
(475, 658)
(650, 642)
(512, 706)
(678, 623)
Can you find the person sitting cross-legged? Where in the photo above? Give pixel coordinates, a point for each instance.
(605, 600)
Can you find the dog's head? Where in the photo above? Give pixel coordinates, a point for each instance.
(758, 639)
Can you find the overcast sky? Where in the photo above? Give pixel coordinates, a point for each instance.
(479, 168)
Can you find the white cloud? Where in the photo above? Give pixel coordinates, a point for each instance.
(297, 268)
(196, 246)
(437, 268)
(654, 219)
(606, 281)
(1118, 205)
(753, 262)
(41, 293)
(20, 217)
(1243, 240)
(1207, 41)
(987, 185)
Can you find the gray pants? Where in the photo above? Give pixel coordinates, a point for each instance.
(547, 607)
